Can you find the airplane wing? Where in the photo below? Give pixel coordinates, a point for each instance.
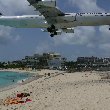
(48, 9)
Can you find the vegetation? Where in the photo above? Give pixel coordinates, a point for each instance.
(42, 63)
(11, 65)
(2, 65)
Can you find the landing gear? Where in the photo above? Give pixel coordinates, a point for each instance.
(52, 30)
(55, 33)
(52, 35)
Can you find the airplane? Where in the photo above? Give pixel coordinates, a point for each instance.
(51, 19)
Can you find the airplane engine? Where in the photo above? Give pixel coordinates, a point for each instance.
(49, 3)
(68, 30)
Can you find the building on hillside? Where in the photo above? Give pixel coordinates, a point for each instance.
(44, 61)
(31, 61)
(56, 63)
(87, 59)
(93, 60)
(94, 63)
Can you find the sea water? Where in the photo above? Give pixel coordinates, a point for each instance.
(11, 78)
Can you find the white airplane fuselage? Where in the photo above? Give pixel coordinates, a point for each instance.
(73, 20)
(87, 19)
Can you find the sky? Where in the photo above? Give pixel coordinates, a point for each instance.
(15, 43)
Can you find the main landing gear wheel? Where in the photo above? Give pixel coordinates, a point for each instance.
(52, 35)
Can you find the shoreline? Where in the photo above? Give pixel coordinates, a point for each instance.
(35, 76)
(29, 80)
(20, 82)
(17, 70)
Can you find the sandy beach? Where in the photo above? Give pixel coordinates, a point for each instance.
(63, 91)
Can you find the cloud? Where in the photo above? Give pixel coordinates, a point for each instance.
(105, 47)
(6, 35)
(15, 7)
(88, 37)
(82, 36)
(43, 47)
(12, 7)
(86, 5)
(89, 40)
(104, 43)
(94, 39)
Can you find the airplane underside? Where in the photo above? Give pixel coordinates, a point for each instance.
(35, 21)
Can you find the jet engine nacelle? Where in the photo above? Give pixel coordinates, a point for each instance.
(49, 3)
(68, 30)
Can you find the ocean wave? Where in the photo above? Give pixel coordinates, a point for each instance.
(21, 81)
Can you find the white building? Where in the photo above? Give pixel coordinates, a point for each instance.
(56, 61)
